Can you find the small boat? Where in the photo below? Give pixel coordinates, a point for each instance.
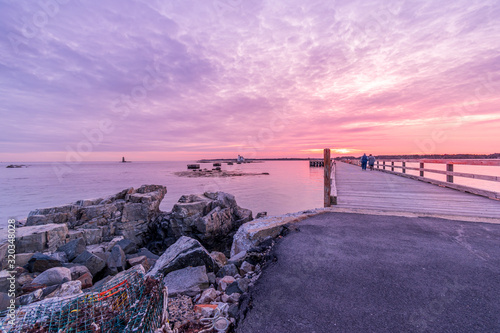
(193, 166)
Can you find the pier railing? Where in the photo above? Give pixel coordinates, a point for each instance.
(400, 167)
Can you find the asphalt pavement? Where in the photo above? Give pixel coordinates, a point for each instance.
(345, 272)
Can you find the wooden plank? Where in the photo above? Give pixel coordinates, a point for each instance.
(463, 188)
(386, 192)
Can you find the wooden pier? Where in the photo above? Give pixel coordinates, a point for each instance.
(317, 163)
(386, 191)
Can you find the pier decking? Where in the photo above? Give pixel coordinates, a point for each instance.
(382, 191)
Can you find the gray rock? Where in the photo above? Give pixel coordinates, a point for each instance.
(91, 261)
(209, 217)
(40, 238)
(187, 281)
(127, 213)
(67, 289)
(239, 286)
(77, 271)
(145, 252)
(30, 298)
(4, 301)
(60, 256)
(184, 253)
(127, 246)
(260, 214)
(53, 276)
(238, 258)
(219, 258)
(141, 260)
(228, 270)
(207, 296)
(116, 260)
(212, 278)
(225, 282)
(23, 258)
(41, 262)
(6, 280)
(73, 249)
(246, 267)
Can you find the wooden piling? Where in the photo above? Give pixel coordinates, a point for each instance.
(449, 178)
(327, 178)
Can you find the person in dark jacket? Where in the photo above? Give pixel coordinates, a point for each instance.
(371, 161)
(364, 160)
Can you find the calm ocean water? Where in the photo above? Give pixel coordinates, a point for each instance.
(290, 186)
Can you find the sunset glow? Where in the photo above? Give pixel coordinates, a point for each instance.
(181, 80)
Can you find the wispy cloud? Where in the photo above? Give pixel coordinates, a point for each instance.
(362, 76)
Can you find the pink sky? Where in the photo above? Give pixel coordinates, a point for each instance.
(181, 80)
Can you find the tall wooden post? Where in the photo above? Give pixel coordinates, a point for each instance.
(327, 180)
(421, 169)
(449, 178)
(404, 167)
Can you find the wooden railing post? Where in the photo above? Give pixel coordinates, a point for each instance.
(327, 179)
(449, 178)
(421, 169)
(378, 166)
(383, 164)
(392, 166)
(404, 167)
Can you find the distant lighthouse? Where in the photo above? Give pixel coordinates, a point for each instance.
(123, 159)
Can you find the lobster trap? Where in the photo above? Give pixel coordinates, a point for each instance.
(127, 303)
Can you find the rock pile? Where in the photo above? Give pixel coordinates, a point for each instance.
(199, 282)
(62, 251)
(211, 218)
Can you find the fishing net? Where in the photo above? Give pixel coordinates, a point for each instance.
(127, 303)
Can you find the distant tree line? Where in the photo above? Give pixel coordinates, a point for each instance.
(430, 156)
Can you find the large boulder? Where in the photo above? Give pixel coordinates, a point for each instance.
(127, 213)
(77, 271)
(253, 233)
(211, 218)
(91, 261)
(116, 260)
(73, 249)
(53, 276)
(67, 289)
(40, 262)
(187, 281)
(40, 238)
(184, 253)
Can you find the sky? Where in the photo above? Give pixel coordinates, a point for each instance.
(187, 79)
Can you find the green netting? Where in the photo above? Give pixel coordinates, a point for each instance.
(128, 303)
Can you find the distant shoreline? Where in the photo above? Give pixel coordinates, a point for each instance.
(404, 156)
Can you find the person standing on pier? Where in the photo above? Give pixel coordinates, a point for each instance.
(364, 160)
(371, 161)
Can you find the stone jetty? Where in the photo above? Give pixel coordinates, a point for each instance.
(208, 250)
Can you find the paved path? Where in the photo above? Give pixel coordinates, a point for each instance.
(383, 191)
(362, 273)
